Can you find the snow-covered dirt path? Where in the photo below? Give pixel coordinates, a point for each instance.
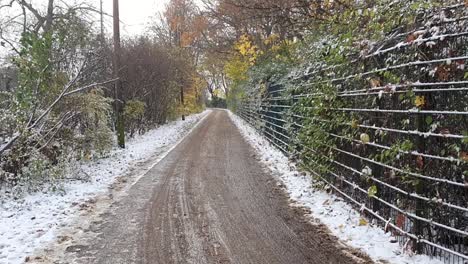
(334, 212)
(208, 201)
(39, 218)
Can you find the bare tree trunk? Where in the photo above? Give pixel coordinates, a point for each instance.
(50, 16)
(118, 104)
(225, 85)
(102, 24)
(182, 101)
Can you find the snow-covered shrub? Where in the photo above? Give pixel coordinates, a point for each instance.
(90, 129)
(134, 113)
(38, 171)
(53, 117)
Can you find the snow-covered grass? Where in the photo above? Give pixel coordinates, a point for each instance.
(35, 220)
(342, 220)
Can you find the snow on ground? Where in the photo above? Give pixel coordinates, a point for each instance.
(339, 216)
(30, 223)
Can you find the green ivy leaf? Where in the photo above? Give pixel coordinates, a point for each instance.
(429, 120)
(401, 97)
(465, 137)
(372, 191)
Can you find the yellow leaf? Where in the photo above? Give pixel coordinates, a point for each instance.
(374, 83)
(363, 222)
(365, 138)
(420, 101)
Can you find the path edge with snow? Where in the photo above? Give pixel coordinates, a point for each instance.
(339, 216)
(22, 234)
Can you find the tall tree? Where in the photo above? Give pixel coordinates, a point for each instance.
(181, 27)
(120, 123)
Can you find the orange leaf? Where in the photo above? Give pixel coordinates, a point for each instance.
(420, 162)
(442, 73)
(387, 88)
(400, 221)
(410, 38)
(464, 156)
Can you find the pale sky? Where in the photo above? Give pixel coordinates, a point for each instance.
(135, 14)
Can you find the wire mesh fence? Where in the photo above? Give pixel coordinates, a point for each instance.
(388, 131)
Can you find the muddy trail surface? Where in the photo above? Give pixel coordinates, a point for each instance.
(209, 201)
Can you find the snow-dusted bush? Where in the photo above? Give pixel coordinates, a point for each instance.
(134, 113)
(58, 111)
